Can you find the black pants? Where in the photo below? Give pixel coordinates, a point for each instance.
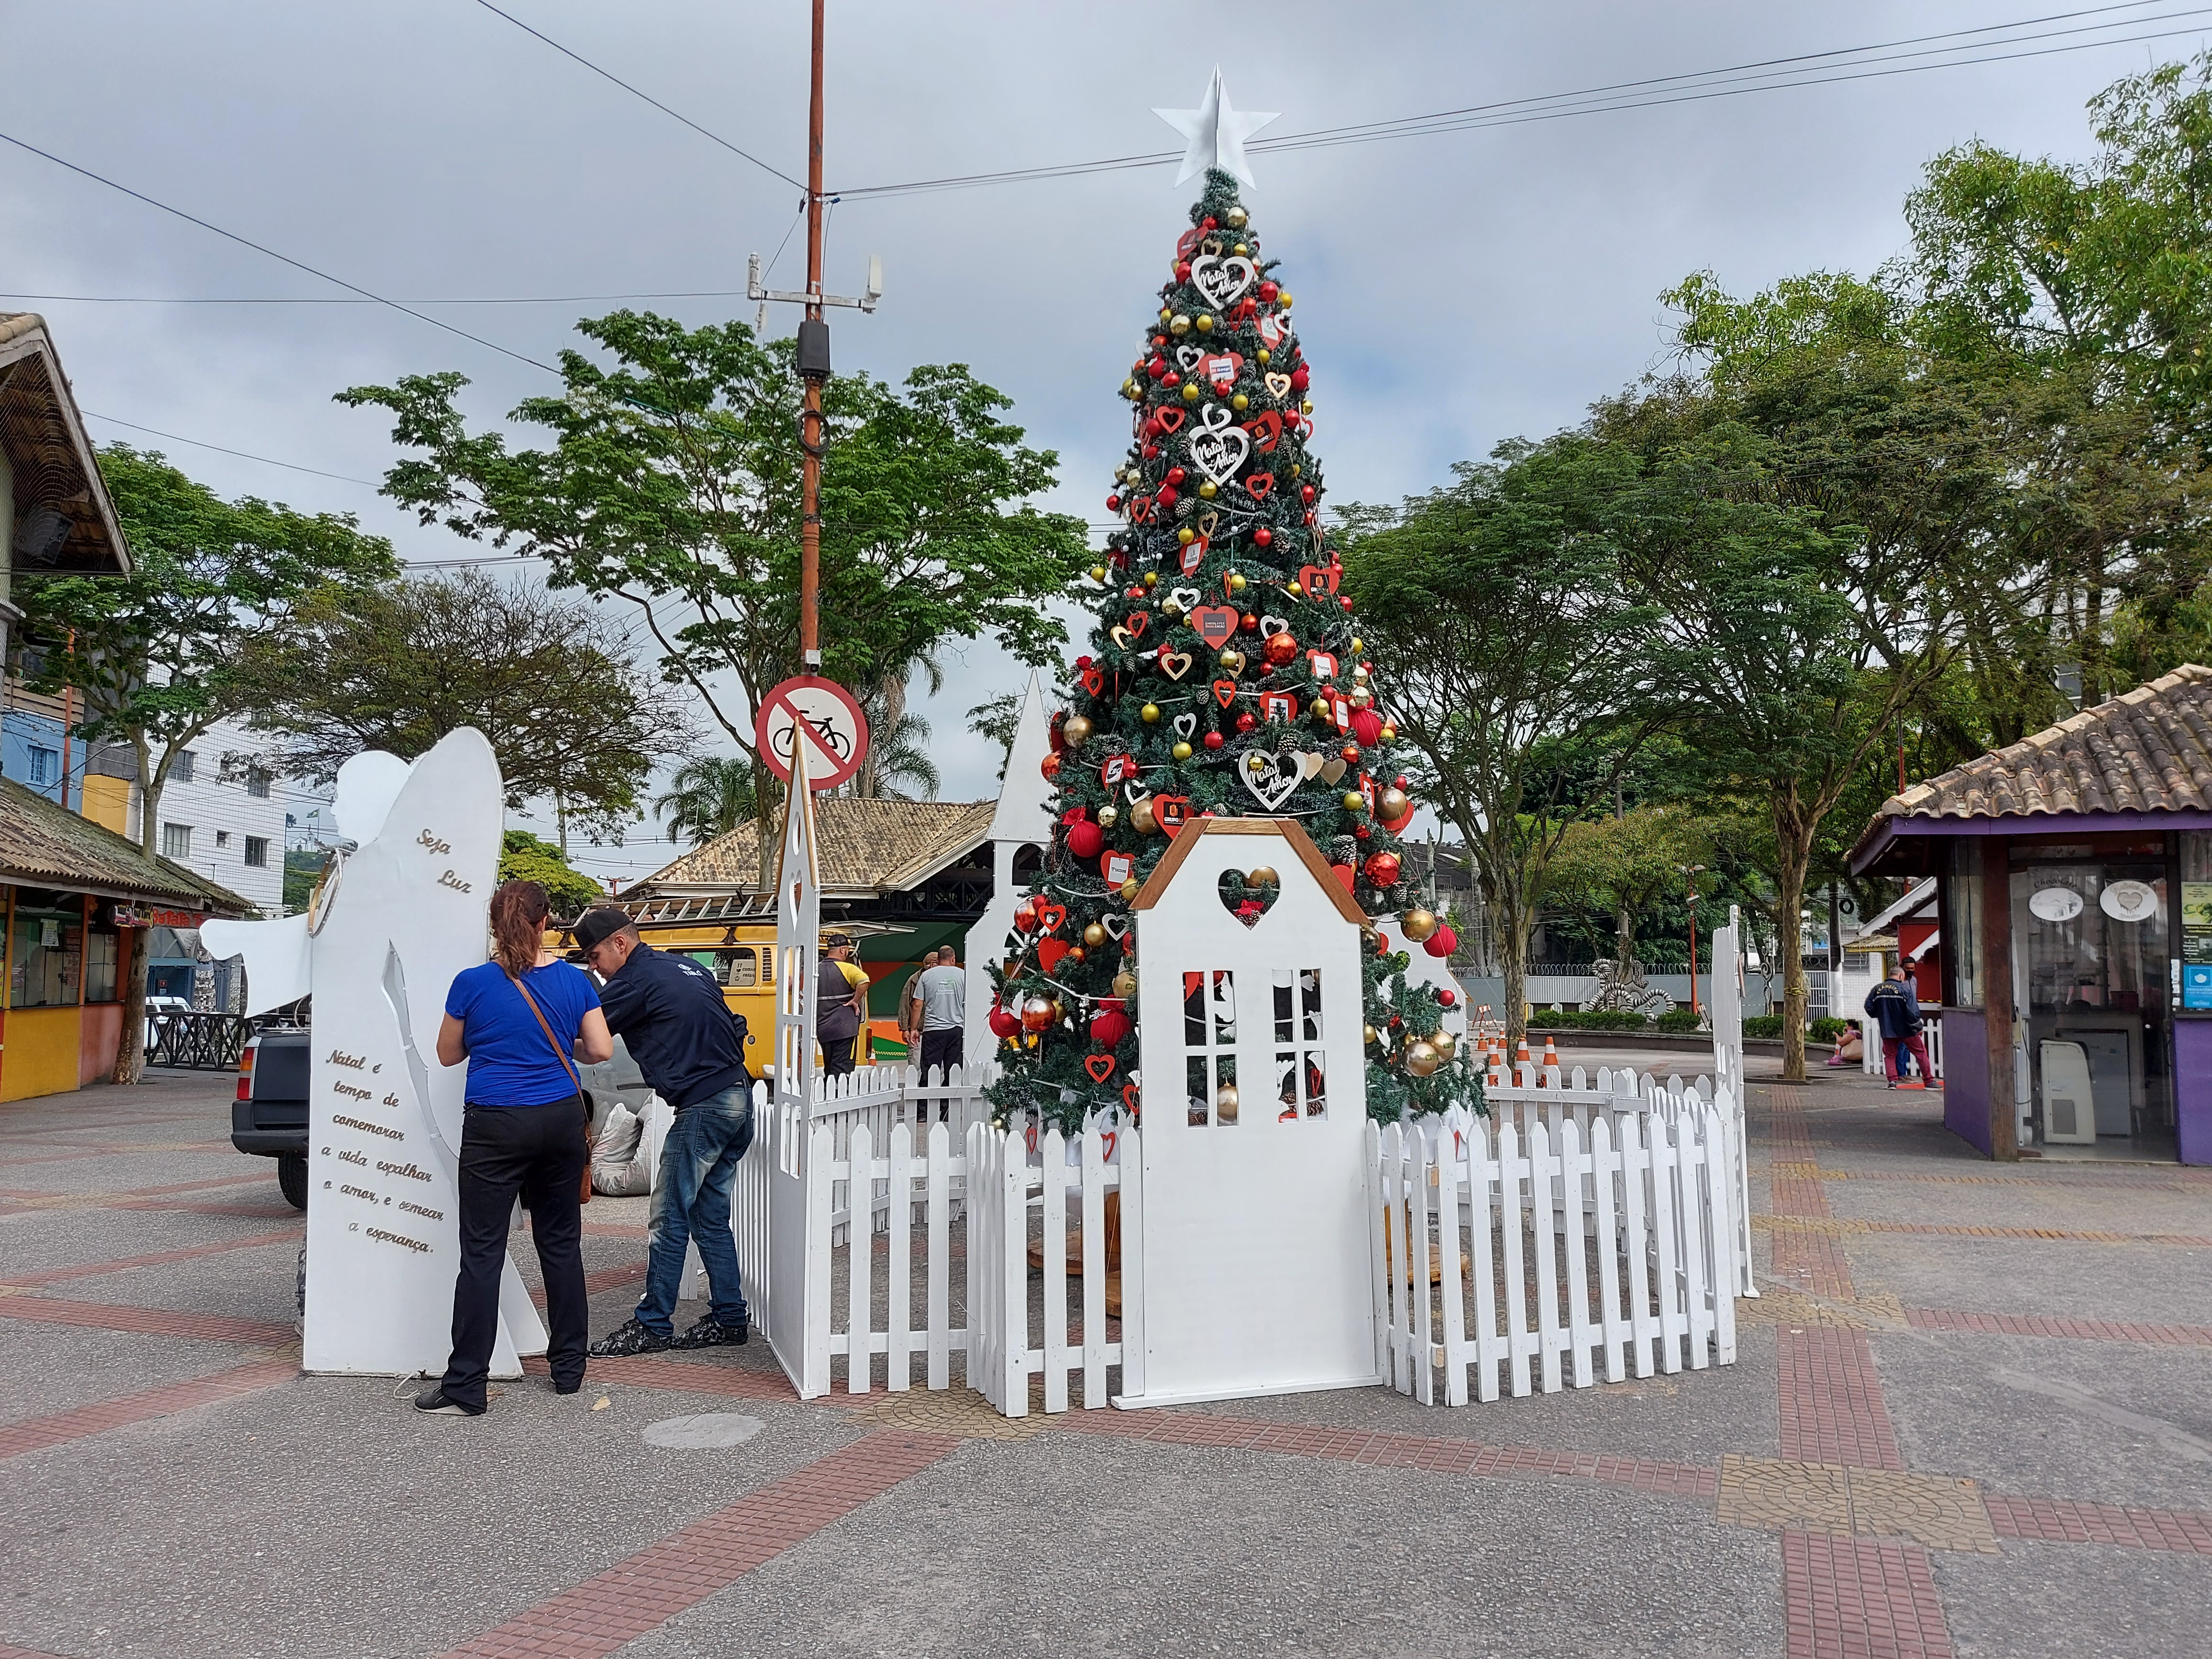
(940, 1051)
(837, 1054)
(536, 1152)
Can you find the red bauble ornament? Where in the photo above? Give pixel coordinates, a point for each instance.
(1183, 270)
(1364, 833)
(1345, 603)
(1442, 943)
(1382, 869)
(1345, 874)
(1247, 720)
(1214, 741)
(1025, 917)
(1050, 766)
(1176, 475)
(1085, 839)
(1248, 622)
(1299, 381)
(1351, 753)
(1306, 494)
(1167, 496)
(1113, 503)
(1210, 223)
(1399, 782)
(1151, 452)
(1109, 1024)
(1172, 379)
(1449, 997)
(1004, 1022)
(1268, 291)
(1280, 648)
(1367, 726)
(1036, 1013)
(1262, 537)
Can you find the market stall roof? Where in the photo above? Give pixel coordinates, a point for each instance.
(45, 845)
(867, 847)
(65, 521)
(2142, 760)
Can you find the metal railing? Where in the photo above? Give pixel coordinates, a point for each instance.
(192, 1040)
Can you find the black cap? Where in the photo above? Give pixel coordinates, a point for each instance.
(601, 922)
(832, 941)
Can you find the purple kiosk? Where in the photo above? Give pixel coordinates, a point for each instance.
(2075, 908)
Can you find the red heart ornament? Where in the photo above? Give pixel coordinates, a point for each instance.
(1050, 914)
(1258, 484)
(1101, 1067)
(1116, 868)
(1140, 510)
(1314, 578)
(1171, 812)
(1106, 1146)
(1194, 555)
(1221, 370)
(1094, 680)
(1187, 244)
(1169, 419)
(1215, 623)
(1050, 951)
(1137, 622)
(1117, 767)
(1266, 431)
(1225, 692)
(1129, 1097)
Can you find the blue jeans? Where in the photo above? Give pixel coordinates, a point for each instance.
(691, 1200)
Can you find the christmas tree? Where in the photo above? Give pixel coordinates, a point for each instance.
(1226, 677)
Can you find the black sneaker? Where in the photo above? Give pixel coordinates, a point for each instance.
(572, 1387)
(627, 1339)
(435, 1399)
(711, 1332)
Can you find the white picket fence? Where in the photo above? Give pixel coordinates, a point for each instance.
(1872, 1056)
(1643, 1196)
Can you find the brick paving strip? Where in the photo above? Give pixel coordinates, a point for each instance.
(6, 1651)
(2094, 1330)
(645, 1590)
(1849, 1598)
(35, 1434)
(95, 1269)
(36, 1200)
(1780, 1225)
(2063, 1521)
(143, 1321)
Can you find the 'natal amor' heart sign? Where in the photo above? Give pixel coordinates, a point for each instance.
(1222, 280)
(1219, 445)
(1269, 778)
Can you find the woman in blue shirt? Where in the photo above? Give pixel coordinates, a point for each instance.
(517, 1020)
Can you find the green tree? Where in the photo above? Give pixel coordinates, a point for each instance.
(1620, 867)
(523, 857)
(552, 681)
(672, 482)
(710, 796)
(1497, 610)
(303, 868)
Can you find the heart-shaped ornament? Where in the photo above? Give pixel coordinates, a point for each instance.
(1275, 329)
(1318, 578)
(1120, 635)
(1050, 950)
(1187, 357)
(1194, 555)
(1187, 244)
(1219, 445)
(1186, 599)
(1225, 692)
(1094, 680)
(1266, 430)
(1129, 1096)
(1220, 371)
(1185, 724)
(1115, 922)
(1136, 621)
(1116, 768)
(1050, 914)
(1215, 623)
(1170, 812)
(1258, 484)
(1332, 769)
(1309, 763)
(1278, 387)
(1221, 281)
(1175, 663)
(1170, 418)
(1116, 868)
(1271, 626)
(1207, 523)
(1268, 778)
(1132, 791)
(1101, 1067)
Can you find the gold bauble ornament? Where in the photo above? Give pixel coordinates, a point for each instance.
(1417, 924)
(1226, 1101)
(1142, 818)
(1422, 1058)
(1180, 751)
(1094, 935)
(1237, 582)
(1296, 468)
(1128, 388)
(1186, 535)
(1108, 817)
(1236, 218)
(1151, 578)
(1284, 299)
(1150, 714)
(1125, 984)
(1357, 645)
(1369, 1033)
(1444, 1044)
(1240, 403)
(1353, 800)
(1360, 696)
(1390, 807)
(1179, 325)
(1208, 490)
(1098, 573)
(1256, 762)
(1203, 324)
(1298, 590)
(1129, 890)
(1390, 734)
(1320, 709)
(1190, 391)
(1306, 408)
(1233, 661)
(1265, 876)
(1265, 356)
(1075, 731)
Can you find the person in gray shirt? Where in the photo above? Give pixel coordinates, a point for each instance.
(941, 991)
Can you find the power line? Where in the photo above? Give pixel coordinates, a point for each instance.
(1770, 75)
(244, 455)
(285, 258)
(713, 138)
(335, 299)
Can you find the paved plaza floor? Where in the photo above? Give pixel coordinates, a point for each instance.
(1972, 1415)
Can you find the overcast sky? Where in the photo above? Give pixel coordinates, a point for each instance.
(1452, 290)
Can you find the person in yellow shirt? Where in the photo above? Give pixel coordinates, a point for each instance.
(838, 1011)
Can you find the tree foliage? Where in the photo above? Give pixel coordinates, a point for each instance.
(523, 857)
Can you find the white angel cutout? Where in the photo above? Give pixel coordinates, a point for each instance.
(393, 923)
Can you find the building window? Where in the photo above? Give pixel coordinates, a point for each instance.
(46, 767)
(103, 952)
(176, 840)
(257, 783)
(257, 852)
(181, 768)
(47, 953)
(1962, 923)
(222, 838)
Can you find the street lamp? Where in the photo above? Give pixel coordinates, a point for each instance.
(1690, 878)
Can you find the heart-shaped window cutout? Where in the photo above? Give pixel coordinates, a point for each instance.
(1243, 900)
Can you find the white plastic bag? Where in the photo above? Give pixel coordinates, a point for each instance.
(619, 1168)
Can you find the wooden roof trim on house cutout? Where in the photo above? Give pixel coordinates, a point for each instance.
(1287, 831)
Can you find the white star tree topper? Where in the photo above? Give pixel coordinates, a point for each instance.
(1216, 132)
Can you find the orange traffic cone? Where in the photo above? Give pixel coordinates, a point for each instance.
(1551, 1054)
(1521, 1061)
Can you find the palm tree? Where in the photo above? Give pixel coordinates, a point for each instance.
(708, 797)
(899, 754)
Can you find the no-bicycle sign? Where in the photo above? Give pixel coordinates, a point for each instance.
(836, 732)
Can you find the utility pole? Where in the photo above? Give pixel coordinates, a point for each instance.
(1690, 880)
(813, 367)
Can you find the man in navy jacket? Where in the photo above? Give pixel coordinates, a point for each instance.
(691, 1048)
(1894, 1006)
